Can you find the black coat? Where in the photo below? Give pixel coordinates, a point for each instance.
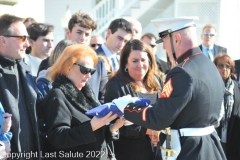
(190, 99)
(43, 65)
(133, 142)
(237, 66)
(162, 65)
(9, 97)
(233, 131)
(69, 129)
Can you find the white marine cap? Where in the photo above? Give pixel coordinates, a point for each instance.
(168, 25)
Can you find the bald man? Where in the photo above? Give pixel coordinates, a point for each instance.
(137, 28)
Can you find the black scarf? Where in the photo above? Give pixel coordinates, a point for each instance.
(83, 99)
(228, 101)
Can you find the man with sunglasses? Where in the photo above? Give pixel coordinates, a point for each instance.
(17, 88)
(208, 46)
(150, 39)
(96, 41)
(118, 33)
(190, 102)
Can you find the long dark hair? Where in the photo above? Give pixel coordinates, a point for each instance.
(150, 81)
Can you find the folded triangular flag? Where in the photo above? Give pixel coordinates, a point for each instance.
(104, 109)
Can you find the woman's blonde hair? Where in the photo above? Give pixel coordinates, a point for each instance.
(71, 55)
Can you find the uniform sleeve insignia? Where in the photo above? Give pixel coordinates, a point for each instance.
(167, 89)
(144, 114)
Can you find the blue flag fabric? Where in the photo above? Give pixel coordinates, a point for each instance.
(104, 109)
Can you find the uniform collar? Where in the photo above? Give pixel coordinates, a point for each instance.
(187, 54)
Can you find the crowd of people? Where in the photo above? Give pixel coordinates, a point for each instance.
(45, 91)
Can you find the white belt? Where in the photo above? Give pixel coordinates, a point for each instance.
(175, 142)
(196, 131)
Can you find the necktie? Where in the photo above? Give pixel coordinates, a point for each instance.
(114, 63)
(210, 56)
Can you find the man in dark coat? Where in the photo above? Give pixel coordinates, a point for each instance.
(208, 47)
(17, 89)
(190, 102)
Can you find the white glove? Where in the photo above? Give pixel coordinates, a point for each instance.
(122, 102)
(127, 123)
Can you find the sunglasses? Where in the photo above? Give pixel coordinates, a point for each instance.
(85, 70)
(152, 45)
(208, 34)
(21, 38)
(221, 66)
(94, 45)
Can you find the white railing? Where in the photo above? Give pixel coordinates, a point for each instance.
(107, 10)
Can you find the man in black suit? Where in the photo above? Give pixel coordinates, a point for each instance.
(208, 47)
(237, 66)
(150, 39)
(118, 33)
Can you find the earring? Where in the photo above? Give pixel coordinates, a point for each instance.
(126, 70)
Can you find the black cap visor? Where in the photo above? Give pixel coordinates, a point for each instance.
(162, 35)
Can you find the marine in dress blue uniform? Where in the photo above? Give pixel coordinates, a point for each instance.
(190, 102)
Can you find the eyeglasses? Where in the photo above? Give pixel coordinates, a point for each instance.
(221, 66)
(85, 70)
(208, 34)
(94, 45)
(152, 45)
(21, 38)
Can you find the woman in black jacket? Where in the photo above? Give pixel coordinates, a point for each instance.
(136, 76)
(229, 129)
(71, 133)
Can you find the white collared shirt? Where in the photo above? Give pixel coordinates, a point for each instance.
(113, 57)
(205, 50)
